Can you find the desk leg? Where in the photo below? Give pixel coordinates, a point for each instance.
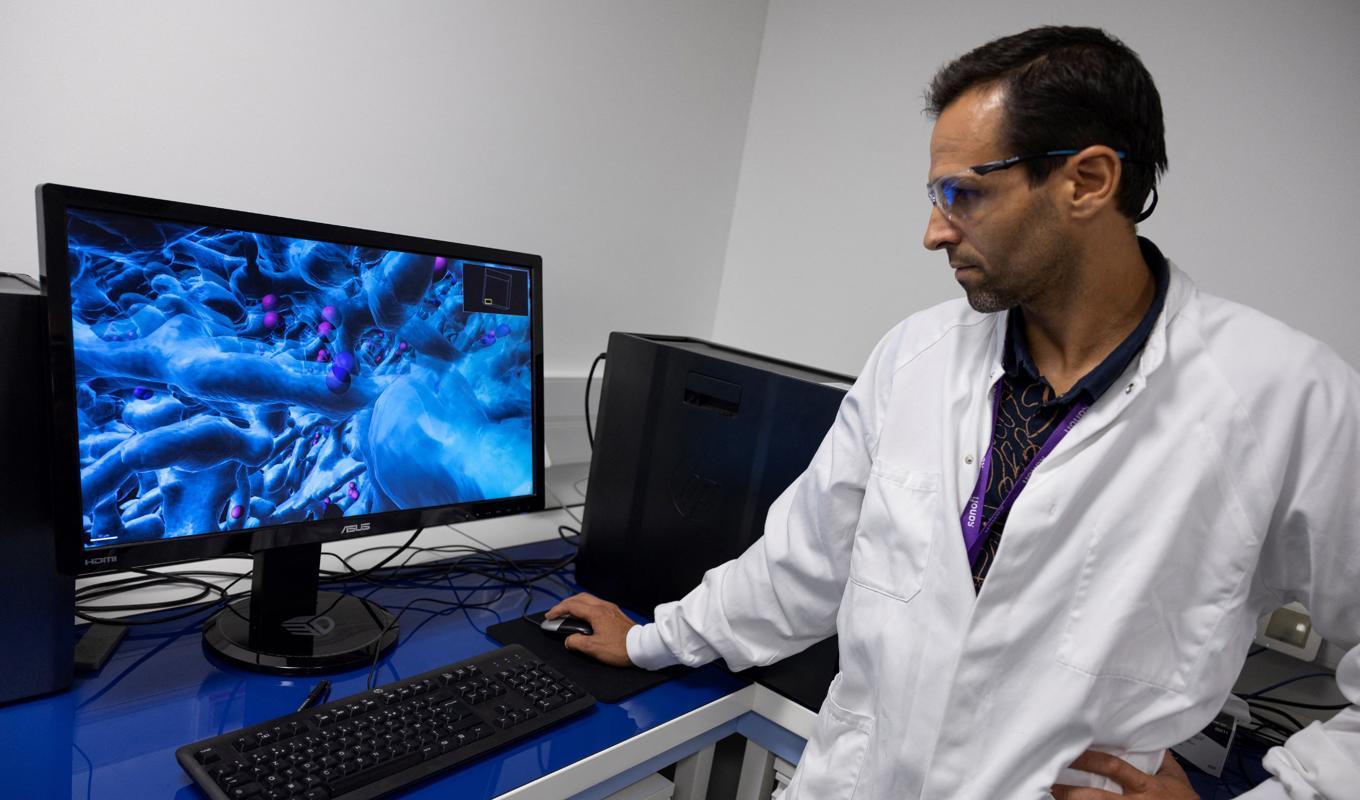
(691, 775)
(757, 773)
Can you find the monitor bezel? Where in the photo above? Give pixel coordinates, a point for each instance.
(53, 200)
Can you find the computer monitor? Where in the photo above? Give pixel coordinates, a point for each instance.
(228, 382)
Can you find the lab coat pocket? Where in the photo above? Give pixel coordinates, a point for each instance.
(830, 766)
(1158, 578)
(898, 522)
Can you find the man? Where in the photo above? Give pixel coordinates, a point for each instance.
(1046, 521)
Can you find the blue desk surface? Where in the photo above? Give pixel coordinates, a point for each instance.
(114, 734)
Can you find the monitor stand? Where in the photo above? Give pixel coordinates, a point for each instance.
(287, 625)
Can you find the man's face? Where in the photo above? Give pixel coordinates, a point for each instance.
(1011, 248)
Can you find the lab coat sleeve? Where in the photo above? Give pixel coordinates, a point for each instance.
(1312, 555)
(782, 594)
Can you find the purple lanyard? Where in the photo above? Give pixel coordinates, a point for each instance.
(975, 528)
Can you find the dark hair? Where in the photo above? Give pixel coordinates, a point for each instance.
(1067, 87)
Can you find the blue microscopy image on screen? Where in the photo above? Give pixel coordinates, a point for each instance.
(230, 380)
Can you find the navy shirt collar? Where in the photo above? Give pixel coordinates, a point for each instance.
(1018, 362)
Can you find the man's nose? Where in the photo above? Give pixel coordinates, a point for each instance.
(939, 230)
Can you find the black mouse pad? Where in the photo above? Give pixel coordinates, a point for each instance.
(608, 684)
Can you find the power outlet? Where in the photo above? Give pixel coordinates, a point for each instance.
(1289, 630)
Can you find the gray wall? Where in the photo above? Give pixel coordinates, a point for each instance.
(1263, 119)
(604, 135)
(612, 137)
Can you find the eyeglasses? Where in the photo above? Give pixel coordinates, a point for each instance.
(958, 195)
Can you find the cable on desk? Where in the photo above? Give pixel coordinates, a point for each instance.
(507, 573)
(147, 578)
(1257, 705)
(1311, 706)
(1263, 692)
(380, 564)
(590, 376)
(561, 503)
(144, 578)
(499, 574)
(89, 776)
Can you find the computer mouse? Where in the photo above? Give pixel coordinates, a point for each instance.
(562, 627)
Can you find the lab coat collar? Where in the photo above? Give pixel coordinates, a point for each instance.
(1179, 289)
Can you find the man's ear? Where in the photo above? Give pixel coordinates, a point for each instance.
(1091, 181)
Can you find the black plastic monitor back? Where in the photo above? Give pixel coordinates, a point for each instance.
(694, 442)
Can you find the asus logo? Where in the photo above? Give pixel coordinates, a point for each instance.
(94, 562)
(356, 528)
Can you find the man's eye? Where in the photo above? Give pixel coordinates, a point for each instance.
(961, 195)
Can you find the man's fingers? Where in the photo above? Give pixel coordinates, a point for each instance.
(578, 605)
(609, 642)
(580, 643)
(1116, 769)
(1171, 768)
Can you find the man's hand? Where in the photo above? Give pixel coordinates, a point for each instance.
(1169, 783)
(608, 643)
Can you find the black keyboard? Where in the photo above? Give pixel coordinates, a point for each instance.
(377, 742)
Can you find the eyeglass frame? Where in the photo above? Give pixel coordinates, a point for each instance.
(1006, 163)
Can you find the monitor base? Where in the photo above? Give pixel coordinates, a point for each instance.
(342, 632)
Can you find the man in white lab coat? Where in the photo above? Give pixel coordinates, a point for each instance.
(1046, 520)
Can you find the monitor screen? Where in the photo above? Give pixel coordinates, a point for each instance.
(231, 372)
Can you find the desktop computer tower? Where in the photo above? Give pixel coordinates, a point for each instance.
(694, 442)
(37, 634)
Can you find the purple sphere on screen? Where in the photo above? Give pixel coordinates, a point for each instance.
(324, 330)
(271, 320)
(237, 512)
(502, 329)
(488, 339)
(331, 314)
(142, 393)
(269, 301)
(323, 355)
(347, 362)
(353, 494)
(441, 265)
(337, 380)
(401, 348)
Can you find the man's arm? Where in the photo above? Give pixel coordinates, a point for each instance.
(1312, 555)
(782, 594)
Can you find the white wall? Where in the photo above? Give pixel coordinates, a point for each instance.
(1262, 114)
(609, 136)
(604, 135)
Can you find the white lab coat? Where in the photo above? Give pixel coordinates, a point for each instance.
(1218, 479)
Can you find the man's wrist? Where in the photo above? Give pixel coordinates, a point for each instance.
(646, 648)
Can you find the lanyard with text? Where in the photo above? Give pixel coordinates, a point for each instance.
(975, 529)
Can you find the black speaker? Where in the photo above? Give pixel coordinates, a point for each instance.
(37, 632)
